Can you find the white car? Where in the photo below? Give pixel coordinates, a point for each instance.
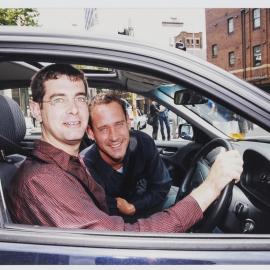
(139, 121)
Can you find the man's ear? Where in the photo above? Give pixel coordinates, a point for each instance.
(35, 110)
(90, 133)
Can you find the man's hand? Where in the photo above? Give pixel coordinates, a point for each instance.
(125, 207)
(227, 166)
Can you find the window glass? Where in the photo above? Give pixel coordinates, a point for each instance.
(227, 121)
(231, 58)
(214, 50)
(138, 108)
(256, 18)
(257, 56)
(230, 25)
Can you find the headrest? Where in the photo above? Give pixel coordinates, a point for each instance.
(12, 126)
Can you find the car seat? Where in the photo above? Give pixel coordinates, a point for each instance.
(12, 155)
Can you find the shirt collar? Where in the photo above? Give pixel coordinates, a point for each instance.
(51, 154)
(93, 156)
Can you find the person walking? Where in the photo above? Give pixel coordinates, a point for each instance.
(164, 119)
(154, 114)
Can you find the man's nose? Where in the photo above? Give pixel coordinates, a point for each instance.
(113, 134)
(72, 106)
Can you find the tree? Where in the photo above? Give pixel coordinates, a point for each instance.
(19, 16)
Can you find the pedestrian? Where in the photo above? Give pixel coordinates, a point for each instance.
(164, 119)
(154, 114)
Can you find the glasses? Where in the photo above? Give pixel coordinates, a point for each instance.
(63, 102)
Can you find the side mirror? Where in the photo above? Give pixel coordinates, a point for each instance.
(185, 131)
(188, 97)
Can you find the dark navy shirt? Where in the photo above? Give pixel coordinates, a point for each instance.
(145, 180)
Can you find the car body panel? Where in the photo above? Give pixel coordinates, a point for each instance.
(65, 247)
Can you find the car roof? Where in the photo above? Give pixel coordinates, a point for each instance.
(36, 35)
(136, 67)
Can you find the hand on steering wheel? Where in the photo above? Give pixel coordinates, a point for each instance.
(216, 211)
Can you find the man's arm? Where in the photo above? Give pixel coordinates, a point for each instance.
(65, 204)
(227, 166)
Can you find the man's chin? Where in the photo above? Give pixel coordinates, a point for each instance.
(117, 157)
(73, 140)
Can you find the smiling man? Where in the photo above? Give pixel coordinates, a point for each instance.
(53, 187)
(126, 164)
(61, 129)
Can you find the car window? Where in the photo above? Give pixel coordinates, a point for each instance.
(219, 116)
(225, 120)
(228, 122)
(139, 113)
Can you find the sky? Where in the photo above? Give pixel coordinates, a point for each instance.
(145, 22)
(61, 17)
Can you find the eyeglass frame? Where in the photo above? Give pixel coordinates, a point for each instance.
(66, 100)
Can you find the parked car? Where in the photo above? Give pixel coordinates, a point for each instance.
(138, 121)
(128, 108)
(240, 226)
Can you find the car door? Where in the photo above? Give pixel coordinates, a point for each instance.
(91, 247)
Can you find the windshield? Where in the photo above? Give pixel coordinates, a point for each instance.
(228, 122)
(225, 120)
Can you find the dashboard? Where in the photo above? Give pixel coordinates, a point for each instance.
(256, 178)
(249, 211)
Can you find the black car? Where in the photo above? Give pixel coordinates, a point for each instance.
(218, 109)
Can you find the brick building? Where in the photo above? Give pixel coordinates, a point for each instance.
(238, 40)
(191, 40)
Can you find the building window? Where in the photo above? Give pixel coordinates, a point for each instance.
(231, 58)
(230, 25)
(256, 15)
(197, 42)
(257, 56)
(214, 50)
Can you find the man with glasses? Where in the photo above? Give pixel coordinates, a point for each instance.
(53, 188)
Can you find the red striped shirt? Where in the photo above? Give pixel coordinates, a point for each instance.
(48, 190)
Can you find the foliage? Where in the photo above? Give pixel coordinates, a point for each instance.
(19, 16)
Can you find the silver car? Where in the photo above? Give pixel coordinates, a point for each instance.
(236, 230)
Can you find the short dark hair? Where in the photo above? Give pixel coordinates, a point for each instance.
(106, 98)
(53, 72)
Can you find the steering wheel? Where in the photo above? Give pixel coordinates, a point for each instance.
(215, 212)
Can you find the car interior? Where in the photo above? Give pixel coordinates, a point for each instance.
(241, 208)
